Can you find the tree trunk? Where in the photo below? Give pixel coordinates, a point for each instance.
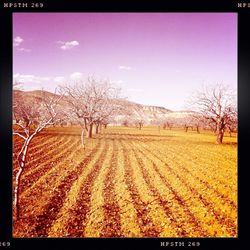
(197, 129)
(17, 193)
(230, 132)
(97, 128)
(82, 138)
(219, 131)
(90, 131)
(21, 162)
(219, 138)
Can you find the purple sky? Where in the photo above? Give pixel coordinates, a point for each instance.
(156, 58)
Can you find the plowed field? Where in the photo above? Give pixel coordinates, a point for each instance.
(128, 183)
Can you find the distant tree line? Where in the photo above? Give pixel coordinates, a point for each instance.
(213, 109)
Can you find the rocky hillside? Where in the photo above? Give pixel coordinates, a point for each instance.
(131, 112)
(149, 114)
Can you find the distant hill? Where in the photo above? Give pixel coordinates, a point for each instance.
(132, 112)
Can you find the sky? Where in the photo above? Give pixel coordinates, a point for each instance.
(155, 58)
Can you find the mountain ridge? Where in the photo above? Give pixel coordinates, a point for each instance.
(137, 112)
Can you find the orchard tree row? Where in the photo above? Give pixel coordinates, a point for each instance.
(92, 104)
(213, 109)
(89, 104)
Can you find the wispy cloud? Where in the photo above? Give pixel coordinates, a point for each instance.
(124, 67)
(59, 79)
(23, 49)
(68, 45)
(76, 76)
(31, 79)
(21, 78)
(17, 41)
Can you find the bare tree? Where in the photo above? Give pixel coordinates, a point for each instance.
(140, 123)
(125, 123)
(232, 124)
(138, 116)
(91, 104)
(32, 113)
(184, 122)
(217, 105)
(167, 123)
(197, 121)
(186, 126)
